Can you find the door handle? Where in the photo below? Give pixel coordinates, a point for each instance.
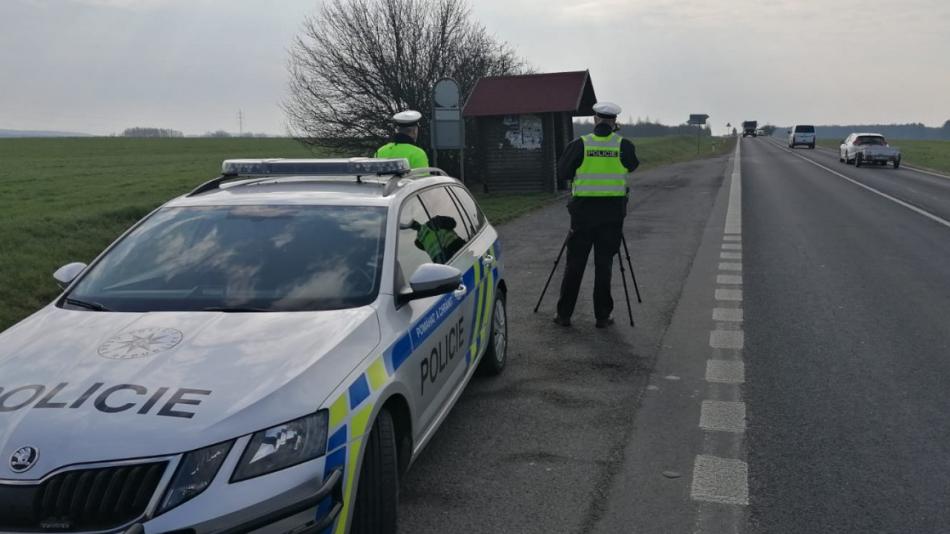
(488, 260)
(460, 292)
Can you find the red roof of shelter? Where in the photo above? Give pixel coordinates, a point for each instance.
(532, 93)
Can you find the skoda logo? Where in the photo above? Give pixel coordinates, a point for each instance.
(140, 343)
(24, 459)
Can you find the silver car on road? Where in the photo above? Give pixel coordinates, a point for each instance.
(267, 353)
(868, 149)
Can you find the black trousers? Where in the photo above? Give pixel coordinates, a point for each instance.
(605, 238)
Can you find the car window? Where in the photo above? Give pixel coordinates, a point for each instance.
(411, 251)
(256, 258)
(870, 140)
(444, 211)
(804, 129)
(468, 204)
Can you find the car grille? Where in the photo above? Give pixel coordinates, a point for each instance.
(84, 500)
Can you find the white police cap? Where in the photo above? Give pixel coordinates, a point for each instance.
(407, 118)
(608, 110)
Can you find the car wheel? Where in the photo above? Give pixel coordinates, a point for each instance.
(897, 163)
(377, 492)
(857, 160)
(496, 355)
(812, 146)
(841, 157)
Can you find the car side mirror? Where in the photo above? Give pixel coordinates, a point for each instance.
(432, 279)
(788, 131)
(67, 273)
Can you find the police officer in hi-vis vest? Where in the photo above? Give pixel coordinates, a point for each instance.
(403, 143)
(598, 165)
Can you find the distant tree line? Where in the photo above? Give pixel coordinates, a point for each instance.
(151, 132)
(642, 128)
(892, 131)
(223, 133)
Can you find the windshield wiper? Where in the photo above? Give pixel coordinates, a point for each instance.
(234, 309)
(94, 306)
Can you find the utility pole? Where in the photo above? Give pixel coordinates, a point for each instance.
(240, 123)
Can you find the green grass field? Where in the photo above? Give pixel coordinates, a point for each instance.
(928, 154)
(65, 200)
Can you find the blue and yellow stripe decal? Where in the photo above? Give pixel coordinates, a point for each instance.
(350, 412)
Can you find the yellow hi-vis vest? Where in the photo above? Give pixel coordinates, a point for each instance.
(416, 156)
(601, 174)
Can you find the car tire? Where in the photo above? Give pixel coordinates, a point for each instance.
(841, 158)
(897, 163)
(496, 355)
(377, 491)
(811, 146)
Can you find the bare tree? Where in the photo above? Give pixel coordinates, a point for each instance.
(358, 62)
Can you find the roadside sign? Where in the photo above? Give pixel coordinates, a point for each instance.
(698, 119)
(447, 125)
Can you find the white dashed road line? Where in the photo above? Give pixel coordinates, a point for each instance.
(717, 479)
(729, 294)
(725, 315)
(723, 416)
(727, 339)
(725, 371)
(720, 480)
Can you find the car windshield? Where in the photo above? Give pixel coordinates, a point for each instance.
(870, 140)
(242, 258)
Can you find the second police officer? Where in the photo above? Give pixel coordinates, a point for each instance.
(403, 144)
(597, 164)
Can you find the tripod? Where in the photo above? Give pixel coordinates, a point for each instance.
(623, 276)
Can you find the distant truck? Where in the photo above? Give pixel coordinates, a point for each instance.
(749, 128)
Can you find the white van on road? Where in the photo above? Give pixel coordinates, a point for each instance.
(803, 134)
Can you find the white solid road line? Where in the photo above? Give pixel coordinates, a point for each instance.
(925, 171)
(732, 238)
(898, 201)
(903, 165)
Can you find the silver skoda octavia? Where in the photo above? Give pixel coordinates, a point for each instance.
(269, 352)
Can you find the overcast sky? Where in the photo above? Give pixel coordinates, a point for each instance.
(99, 66)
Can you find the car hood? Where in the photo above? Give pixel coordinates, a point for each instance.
(83, 386)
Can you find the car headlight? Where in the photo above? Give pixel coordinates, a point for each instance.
(284, 446)
(195, 473)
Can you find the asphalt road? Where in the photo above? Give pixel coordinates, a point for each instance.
(788, 371)
(538, 448)
(846, 306)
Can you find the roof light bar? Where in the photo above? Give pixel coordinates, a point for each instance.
(314, 167)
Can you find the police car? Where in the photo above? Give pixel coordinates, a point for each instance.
(269, 352)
